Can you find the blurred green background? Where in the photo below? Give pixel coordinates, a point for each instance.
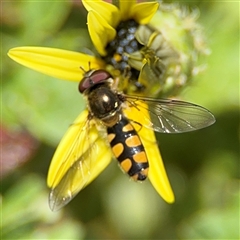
(203, 166)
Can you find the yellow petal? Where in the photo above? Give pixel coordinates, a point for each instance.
(106, 10)
(143, 12)
(125, 8)
(100, 32)
(80, 157)
(55, 62)
(157, 173)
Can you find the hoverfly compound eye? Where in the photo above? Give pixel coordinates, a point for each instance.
(92, 78)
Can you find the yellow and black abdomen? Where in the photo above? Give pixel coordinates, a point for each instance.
(128, 149)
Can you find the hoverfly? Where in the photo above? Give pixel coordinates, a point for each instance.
(106, 123)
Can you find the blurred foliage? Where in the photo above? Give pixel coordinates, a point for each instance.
(203, 166)
(24, 219)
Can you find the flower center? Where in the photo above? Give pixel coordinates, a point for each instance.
(124, 43)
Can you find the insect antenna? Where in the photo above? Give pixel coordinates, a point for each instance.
(84, 70)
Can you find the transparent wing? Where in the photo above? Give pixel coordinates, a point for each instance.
(157, 174)
(81, 155)
(170, 116)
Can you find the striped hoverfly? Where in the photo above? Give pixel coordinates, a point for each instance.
(113, 120)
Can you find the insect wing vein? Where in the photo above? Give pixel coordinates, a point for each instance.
(157, 173)
(171, 116)
(74, 162)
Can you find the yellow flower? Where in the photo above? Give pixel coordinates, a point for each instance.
(103, 18)
(76, 149)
